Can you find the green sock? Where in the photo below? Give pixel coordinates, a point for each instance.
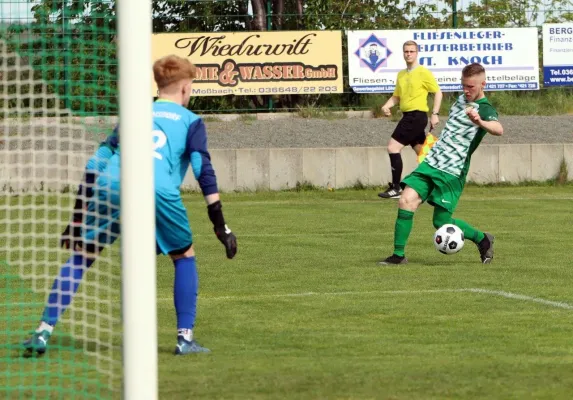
(443, 216)
(402, 230)
(469, 231)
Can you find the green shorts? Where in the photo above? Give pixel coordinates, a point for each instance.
(436, 187)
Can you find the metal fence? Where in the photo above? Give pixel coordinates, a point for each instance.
(71, 43)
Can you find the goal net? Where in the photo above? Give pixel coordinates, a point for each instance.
(58, 101)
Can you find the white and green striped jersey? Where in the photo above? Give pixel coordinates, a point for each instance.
(460, 137)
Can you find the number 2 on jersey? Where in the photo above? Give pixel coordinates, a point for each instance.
(159, 140)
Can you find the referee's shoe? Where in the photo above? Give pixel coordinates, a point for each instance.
(393, 192)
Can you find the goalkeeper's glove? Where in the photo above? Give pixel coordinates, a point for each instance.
(73, 232)
(71, 235)
(221, 229)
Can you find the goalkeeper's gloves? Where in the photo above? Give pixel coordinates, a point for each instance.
(71, 235)
(221, 229)
(73, 232)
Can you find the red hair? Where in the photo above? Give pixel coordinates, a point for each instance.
(171, 69)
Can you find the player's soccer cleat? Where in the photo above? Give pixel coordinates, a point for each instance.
(485, 248)
(38, 342)
(394, 260)
(393, 192)
(187, 347)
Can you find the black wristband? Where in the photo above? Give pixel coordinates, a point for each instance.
(215, 211)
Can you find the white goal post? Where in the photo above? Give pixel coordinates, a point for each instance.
(137, 201)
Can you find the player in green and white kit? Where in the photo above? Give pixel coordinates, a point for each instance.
(441, 177)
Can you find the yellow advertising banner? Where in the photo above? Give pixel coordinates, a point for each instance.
(258, 63)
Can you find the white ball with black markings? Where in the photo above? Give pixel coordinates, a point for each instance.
(449, 239)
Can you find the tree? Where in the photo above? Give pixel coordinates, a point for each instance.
(82, 33)
(260, 19)
(511, 13)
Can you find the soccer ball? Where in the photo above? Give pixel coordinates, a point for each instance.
(449, 239)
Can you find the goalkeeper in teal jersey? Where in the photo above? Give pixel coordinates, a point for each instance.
(180, 141)
(441, 177)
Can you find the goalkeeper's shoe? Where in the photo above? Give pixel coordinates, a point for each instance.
(38, 342)
(394, 260)
(187, 347)
(486, 248)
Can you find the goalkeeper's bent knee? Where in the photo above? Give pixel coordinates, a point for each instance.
(181, 251)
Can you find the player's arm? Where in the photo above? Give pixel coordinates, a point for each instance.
(205, 175)
(486, 119)
(95, 165)
(492, 127)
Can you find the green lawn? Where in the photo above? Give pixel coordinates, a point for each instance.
(304, 312)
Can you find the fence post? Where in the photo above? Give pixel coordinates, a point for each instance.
(454, 13)
(269, 28)
(66, 45)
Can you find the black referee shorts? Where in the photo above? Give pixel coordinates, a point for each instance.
(411, 130)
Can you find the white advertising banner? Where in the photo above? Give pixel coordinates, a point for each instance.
(558, 54)
(509, 55)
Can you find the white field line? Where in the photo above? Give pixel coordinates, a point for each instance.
(507, 295)
(516, 296)
(499, 293)
(335, 201)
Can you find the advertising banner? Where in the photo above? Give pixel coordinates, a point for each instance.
(558, 54)
(258, 63)
(509, 55)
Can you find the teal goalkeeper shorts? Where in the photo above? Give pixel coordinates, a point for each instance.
(436, 187)
(102, 226)
(172, 230)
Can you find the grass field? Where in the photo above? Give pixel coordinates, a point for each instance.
(304, 312)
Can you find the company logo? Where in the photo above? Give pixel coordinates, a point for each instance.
(373, 52)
